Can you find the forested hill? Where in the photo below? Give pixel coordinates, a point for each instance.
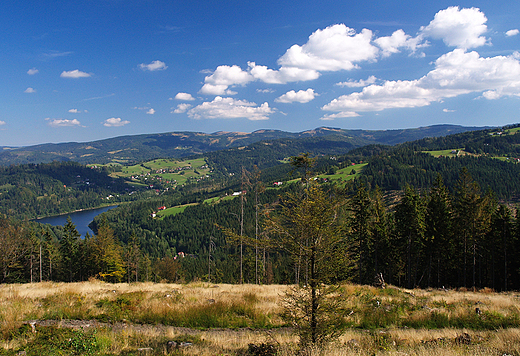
(491, 157)
(138, 148)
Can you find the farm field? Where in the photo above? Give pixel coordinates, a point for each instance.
(97, 318)
(167, 171)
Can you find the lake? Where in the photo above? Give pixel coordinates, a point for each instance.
(80, 218)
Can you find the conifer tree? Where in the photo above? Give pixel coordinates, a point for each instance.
(69, 246)
(306, 226)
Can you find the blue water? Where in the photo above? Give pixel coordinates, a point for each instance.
(80, 218)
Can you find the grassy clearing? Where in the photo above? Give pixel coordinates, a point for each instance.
(95, 318)
(174, 210)
(345, 174)
(446, 153)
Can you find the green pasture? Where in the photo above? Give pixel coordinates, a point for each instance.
(174, 210)
(153, 166)
(344, 174)
(445, 153)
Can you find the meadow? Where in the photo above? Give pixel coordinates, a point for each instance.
(96, 318)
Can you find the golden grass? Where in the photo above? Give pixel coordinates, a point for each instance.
(58, 302)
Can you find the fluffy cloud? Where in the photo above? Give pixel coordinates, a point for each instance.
(229, 108)
(2, 123)
(458, 28)
(32, 71)
(224, 77)
(456, 73)
(63, 122)
(181, 108)
(29, 90)
(302, 96)
(512, 32)
(283, 75)
(358, 84)
(74, 74)
(74, 111)
(151, 111)
(184, 97)
(334, 48)
(220, 89)
(399, 39)
(115, 122)
(155, 65)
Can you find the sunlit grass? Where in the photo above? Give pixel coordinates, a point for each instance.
(98, 318)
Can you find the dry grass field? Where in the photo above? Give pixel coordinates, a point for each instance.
(96, 318)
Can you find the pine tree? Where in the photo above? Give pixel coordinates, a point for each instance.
(438, 236)
(409, 216)
(306, 226)
(69, 246)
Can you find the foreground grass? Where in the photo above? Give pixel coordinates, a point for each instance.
(95, 318)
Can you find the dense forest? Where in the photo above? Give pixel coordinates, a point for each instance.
(413, 218)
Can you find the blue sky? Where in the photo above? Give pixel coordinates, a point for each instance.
(93, 69)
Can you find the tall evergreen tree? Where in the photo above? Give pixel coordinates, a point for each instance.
(69, 247)
(439, 247)
(410, 224)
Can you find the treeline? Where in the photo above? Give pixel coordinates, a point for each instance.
(430, 238)
(493, 142)
(458, 237)
(402, 166)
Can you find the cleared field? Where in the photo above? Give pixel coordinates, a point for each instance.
(173, 210)
(345, 174)
(454, 152)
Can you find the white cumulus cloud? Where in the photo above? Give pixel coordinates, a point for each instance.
(115, 122)
(225, 76)
(154, 66)
(462, 28)
(359, 83)
(2, 123)
(151, 111)
(512, 32)
(184, 97)
(29, 90)
(456, 73)
(63, 122)
(334, 48)
(301, 96)
(181, 108)
(74, 74)
(230, 108)
(399, 39)
(32, 71)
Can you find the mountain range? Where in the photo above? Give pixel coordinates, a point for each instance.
(137, 148)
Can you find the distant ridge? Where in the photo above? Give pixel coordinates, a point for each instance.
(136, 148)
